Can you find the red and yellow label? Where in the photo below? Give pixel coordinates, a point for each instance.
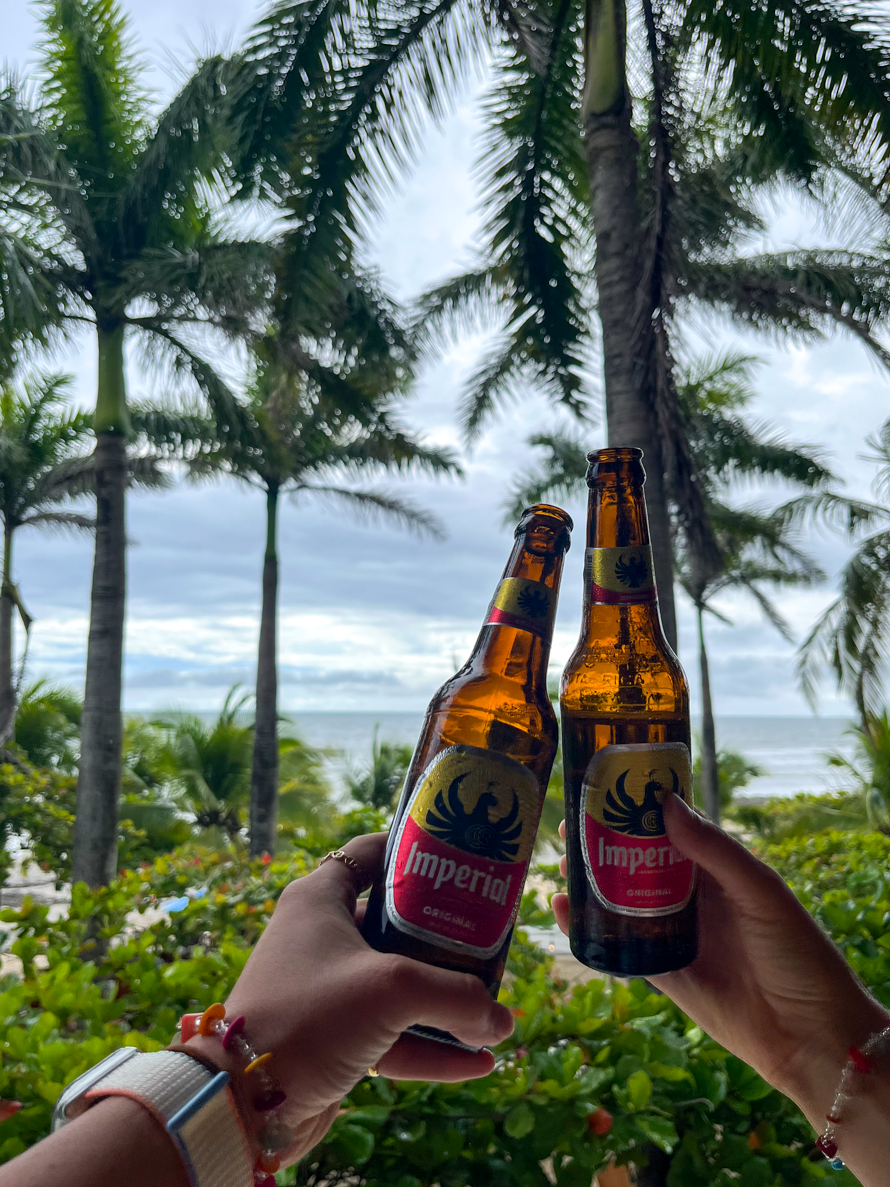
(621, 576)
(462, 851)
(528, 605)
(631, 865)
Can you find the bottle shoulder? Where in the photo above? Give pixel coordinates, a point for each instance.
(639, 674)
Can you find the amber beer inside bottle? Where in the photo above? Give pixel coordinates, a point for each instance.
(462, 835)
(626, 744)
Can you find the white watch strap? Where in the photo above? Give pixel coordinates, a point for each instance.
(212, 1140)
(196, 1109)
(161, 1081)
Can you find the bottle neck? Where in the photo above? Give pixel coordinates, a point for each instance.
(515, 639)
(619, 578)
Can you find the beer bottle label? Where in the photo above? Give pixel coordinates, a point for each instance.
(528, 605)
(620, 576)
(632, 866)
(462, 850)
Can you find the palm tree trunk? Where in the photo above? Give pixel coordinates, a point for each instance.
(99, 782)
(627, 327)
(7, 611)
(710, 772)
(264, 775)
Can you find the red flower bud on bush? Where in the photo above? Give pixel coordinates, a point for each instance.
(599, 1121)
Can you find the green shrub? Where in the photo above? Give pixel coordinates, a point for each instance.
(800, 816)
(843, 879)
(602, 1045)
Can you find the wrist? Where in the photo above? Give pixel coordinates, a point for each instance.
(812, 1077)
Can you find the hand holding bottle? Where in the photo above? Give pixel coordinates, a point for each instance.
(767, 984)
(329, 1007)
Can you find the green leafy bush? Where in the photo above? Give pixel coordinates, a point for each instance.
(843, 879)
(800, 816)
(578, 1053)
(599, 1046)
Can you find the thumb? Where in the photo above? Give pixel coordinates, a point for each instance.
(743, 877)
(456, 1002)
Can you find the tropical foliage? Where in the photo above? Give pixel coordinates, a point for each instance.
(852, 638)
(593, 1073)
(107, 224)
(380, 783)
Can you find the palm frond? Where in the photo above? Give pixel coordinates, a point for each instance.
(799, 293)
(38, 178)
(90, 94)
(175, 432)
(561, 474)
(852, 637)
(230, 416)
(70, 521)
(187, 147)
(797, 74)
(225, 283)
(380, 504)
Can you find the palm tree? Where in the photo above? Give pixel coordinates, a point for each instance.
(107, 224)
(209, 766)
(852, 637)
(43, 465)
(669, 176)
(301, 443)
(47, 724)
(379, 784)
(757, 547)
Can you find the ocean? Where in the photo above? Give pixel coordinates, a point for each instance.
(791, 750)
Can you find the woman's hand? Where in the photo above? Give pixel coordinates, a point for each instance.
(329, 1007)
(767, 983)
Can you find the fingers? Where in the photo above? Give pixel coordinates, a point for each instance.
(744, 878)
(414, 1058)
(456, 1002)
(562, 829)
(559, 904)
(346, 880)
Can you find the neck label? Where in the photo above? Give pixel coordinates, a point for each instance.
(462, 850)
(620, 576)
(524, 604)
(631, 865)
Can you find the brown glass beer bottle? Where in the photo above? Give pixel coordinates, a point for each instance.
(625, 734)
(462, 835)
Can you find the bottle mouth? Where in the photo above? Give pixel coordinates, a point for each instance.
(622, 464)
(546, 528)
(623, 453)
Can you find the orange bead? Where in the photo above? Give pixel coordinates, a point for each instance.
(269, 1162)
(210, 1015)
(258, 1062)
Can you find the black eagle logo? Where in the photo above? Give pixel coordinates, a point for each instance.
(623, 814)
(632, 572)
(473, 831)
(533, 602)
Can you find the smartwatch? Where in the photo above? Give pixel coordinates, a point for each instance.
(194, 1104)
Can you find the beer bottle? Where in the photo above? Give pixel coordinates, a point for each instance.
(624, 704)
(463, 832)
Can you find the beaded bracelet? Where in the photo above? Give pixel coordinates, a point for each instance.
(859, 1064)
(268, 1097)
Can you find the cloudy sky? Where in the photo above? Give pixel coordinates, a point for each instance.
(370, 616)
